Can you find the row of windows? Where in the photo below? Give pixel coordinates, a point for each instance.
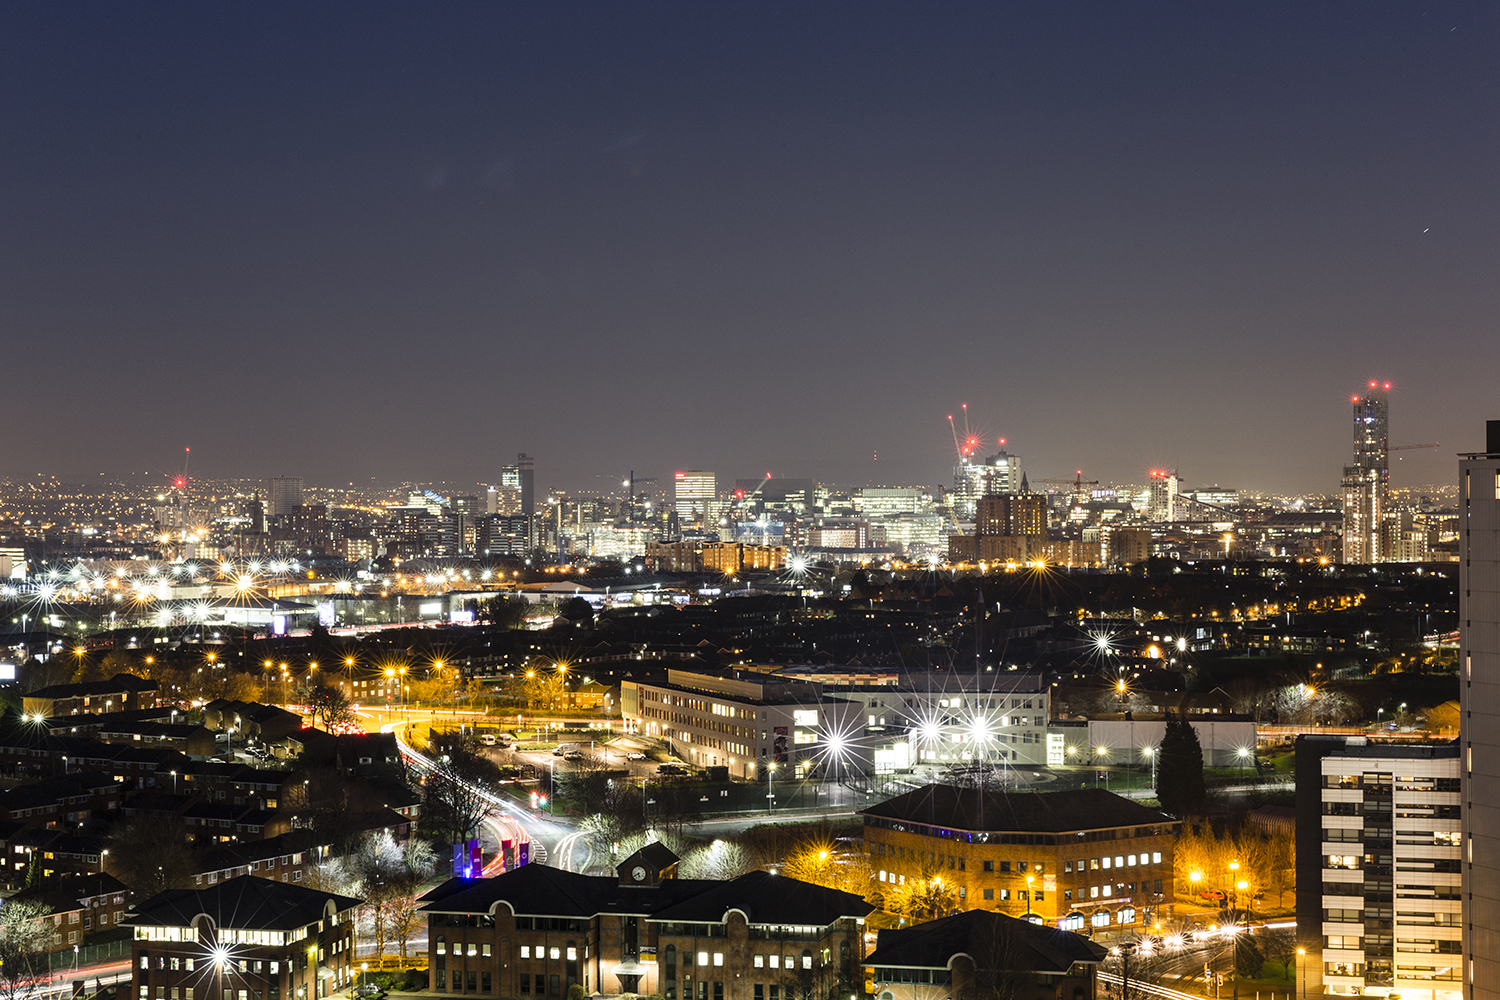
(1102, 918)
(1118, 889)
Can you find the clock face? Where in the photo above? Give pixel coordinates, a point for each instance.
(638, 873)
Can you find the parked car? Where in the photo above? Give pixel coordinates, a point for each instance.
(635, 755)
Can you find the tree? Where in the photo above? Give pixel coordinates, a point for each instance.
(329, 705)
(1280, 944)
(151, 857)
(25, 939)
(1179, 769)
(1000, 971)
(924, 897)
(455, 795)
(504, 612)
(417, 865)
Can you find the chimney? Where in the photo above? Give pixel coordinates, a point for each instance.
(1492, 437)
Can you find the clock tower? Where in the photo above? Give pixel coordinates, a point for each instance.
(650, 866)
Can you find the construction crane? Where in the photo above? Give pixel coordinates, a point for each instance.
(1078, 484)
(629, 484)
(1409, 447)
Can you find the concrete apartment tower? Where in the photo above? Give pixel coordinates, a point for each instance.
(1366, 483)
(1479, 698)
(284, 494)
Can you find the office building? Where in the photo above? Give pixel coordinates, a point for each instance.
(1073, 859)
(464, 510)
(1366, 482)
(535, 931)
(746, 721)
(517, 494)
(245, 937)
(1479, 698)
(502, 535)
(1378, 868)
(1012, 514)
(695, 497)
(974, 478)
(284, 493)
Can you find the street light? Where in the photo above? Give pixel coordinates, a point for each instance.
(771, 787)
(1242, 753)
(1297, 966)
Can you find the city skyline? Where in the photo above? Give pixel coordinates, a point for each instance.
(352, 242)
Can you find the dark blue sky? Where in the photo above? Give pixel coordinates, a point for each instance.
(413, 240)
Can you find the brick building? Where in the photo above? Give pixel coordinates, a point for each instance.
(1070, 859)
(534, 931)
(242, 938)
(982, 954)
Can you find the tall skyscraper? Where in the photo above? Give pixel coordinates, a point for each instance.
(518, 484)
(284, 493)
(1479, 718)
(1164, 504)
(695, 497)
(1366, 483)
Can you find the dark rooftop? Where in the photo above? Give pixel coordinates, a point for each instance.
(244, 903)
(1031, 812)
(976, 933)
(539, 890)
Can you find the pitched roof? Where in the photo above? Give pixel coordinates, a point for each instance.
(766, 899)
(1036, 812)
(69, 893)
(980, 934)
(540, 890)
(244, 903)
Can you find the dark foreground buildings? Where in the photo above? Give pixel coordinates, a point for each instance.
(535, 931)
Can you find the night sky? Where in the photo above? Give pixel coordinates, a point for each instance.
(410, 241)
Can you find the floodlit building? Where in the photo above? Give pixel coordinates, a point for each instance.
(1479, 697)
(535, 931)
(1379, 869)
(1074, 859)
(747, 721)
(247, 936)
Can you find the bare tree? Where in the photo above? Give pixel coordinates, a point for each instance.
(25, 938)
(999, 965)
(151, 856)
(329, 705)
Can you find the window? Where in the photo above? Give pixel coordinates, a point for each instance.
(484, 982)
(989, 866)
(718, 959)
(525, 985)
(525, 949)
(989, 894)
(760, 963)
(485, 950)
